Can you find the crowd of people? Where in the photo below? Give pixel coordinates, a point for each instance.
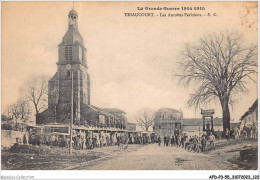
(191, 143)
(199, 143)
(250, 131)
(90, 140)
(247, 132)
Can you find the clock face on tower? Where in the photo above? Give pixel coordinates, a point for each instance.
(68, 66)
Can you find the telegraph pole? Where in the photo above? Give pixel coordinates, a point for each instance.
(68, 66)
(71, 118)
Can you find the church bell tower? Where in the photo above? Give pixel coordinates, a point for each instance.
(71, 60)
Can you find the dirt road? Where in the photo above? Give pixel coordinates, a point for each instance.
(224, 156)
(153, 157)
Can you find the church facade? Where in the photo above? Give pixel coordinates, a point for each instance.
(72, 79)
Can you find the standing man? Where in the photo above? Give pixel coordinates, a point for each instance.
(159, 141)
(172, 140)
(24, 139)
(227, 133)
(203, 143)
(212, 140)
(168, 140)
(195, 143)
(164, 140)
(254, 131)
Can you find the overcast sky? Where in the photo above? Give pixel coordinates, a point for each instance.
(130, 59)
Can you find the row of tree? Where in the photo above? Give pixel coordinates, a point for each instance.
(32, 100)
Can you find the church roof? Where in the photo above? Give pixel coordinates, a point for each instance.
(54, 78)
(113, 110)
(96, 109)
(72, 36)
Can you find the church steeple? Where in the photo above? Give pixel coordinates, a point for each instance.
(71, 72)
(72, 50)
(73, 18)
(72, 36)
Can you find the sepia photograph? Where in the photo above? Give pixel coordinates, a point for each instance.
(95, 85)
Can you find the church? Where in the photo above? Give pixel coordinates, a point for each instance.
(71, 83)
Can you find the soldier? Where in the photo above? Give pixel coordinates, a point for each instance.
(108, 140)
(24, 139)
(164, 140)
(172, 140)
(212, 140)
(119, 142)
(227, 133)
(176, 139)
(195, 143)
(254, 129)
(84, 142)
(203, 143)
(182, 141)
(111, 140)
(79, 143)
(159, 141)
(168, 140)
(179, 140)
(90, 143)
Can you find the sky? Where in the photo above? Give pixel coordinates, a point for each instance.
(131, 59)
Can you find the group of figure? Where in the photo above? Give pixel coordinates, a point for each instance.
(96, 141)
(82, 141)
(250, 131)
(190, 143)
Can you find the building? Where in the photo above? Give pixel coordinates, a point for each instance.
(72, 82)
(166, 120)
(119, 115)
(194, 126)
(251, 116)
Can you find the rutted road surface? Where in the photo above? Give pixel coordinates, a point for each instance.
(224, 156)
(153, 157)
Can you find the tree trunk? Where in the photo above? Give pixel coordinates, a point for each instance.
(146, 128)
(36, 111)
(225, 114)
(16, 124)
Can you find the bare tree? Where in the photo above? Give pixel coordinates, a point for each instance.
(14, 113)
(145, 119)
(25, 111)
(221, 65)
(35, 90)
(19, 110)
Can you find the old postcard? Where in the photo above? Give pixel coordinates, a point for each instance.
(130, 86)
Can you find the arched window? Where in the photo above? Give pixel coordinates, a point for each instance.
(68, 73)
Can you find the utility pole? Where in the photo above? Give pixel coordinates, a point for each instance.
(68, 66)
(71, 119)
